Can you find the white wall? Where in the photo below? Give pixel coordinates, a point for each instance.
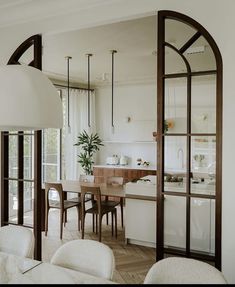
(138, 102)
(218, 18)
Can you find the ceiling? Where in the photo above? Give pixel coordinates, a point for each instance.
(135, 42)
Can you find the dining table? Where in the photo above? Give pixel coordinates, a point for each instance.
(113, 190)
(20, 270)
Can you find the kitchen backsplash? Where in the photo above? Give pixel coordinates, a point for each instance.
(133, 151)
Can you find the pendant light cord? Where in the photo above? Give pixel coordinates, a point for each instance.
(68, 58)
(113, 52)
(88, 90)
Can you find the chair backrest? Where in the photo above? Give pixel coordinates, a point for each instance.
(86, 178)
(94, 191)
(55, 186)
(17, 240)
(88, 256)
(114, 180)
(176, 270)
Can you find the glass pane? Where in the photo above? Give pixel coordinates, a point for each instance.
(204, 104)
(13, 156)
(173, 62)
(202, 225)
(51, 155)
(13, 201)
(203, 164)
(175, 164)
(28, 158)
(200, 56)
(177, 33)
(176, 105)
(28, 203)
(175, 221)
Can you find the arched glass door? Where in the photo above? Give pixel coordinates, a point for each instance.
(189, 140)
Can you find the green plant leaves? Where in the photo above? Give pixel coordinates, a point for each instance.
(89, 144)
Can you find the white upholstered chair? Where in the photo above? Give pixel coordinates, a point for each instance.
(177, 270)
(17, 240)
(88, 256)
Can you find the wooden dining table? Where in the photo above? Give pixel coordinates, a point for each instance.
(106, 189)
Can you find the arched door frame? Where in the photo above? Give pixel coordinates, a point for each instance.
(160, 137)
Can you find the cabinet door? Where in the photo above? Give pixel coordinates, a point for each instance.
(97, 171)
(119, 172)
(133, 174)
(108, 172)
(140, 221)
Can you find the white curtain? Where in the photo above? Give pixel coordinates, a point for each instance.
(78, 117)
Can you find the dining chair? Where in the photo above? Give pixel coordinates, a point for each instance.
(97, 208)
(61, 204)
(83, 178)
(17, 240)
(114, 181)
(177, 270)
(88, 256)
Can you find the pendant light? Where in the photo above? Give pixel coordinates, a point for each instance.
(68, 59)
(112, 123)
(88, 90)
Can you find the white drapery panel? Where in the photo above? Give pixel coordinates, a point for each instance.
(78, 118)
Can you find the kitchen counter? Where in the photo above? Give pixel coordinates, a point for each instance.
(138, 167)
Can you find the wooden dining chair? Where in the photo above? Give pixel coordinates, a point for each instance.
(97, 208)
(61, 204)
(114, 180)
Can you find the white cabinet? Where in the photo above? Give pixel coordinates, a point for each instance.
(140, 215)
(140, 218)
(140, 222)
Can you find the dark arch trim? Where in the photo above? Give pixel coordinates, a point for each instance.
(36, 42)
(201, 31)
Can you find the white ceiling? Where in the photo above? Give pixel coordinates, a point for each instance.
(13, 12)
(134, 40)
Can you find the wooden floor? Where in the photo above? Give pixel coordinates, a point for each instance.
(132, 261)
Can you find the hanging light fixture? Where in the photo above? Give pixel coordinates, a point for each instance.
(68, 59)
(112, 123)
(88, 89)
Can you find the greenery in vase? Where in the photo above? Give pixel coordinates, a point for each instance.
(166, 126)
(89, 145)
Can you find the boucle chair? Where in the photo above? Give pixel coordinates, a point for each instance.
(88, 256)
(177, 270)
(17, 240)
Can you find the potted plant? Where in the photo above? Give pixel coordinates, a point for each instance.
(89, 145)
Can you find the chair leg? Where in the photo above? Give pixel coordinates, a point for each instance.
(79, 216)
(107, 215)
(61, 222)
(115, 213)
(96, 223)
(83, 224)
(46, 221)
(121, 205)
(112, 221)
(93, 222)
(65, 217)
(100, 225)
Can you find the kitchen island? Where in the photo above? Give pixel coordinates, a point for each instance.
(140, 215)
(128, 172)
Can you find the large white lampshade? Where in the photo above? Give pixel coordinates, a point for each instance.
(28, 100)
